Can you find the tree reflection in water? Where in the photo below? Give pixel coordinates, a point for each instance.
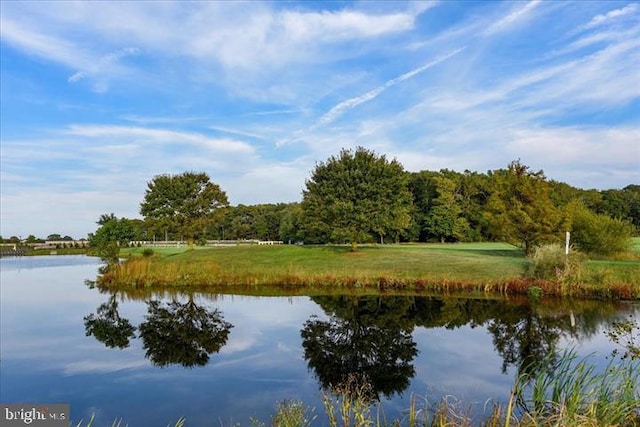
(173, 333)
(369, 339)
(182, 333)
(366, 339)
(108, 327)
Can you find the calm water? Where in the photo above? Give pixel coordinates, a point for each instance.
(220, 359)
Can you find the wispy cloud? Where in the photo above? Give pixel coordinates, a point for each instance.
(161, 119)
(348, 104)
(225, 129)
(613, 14)
(43, 45)
(160, 135)
(512, 18)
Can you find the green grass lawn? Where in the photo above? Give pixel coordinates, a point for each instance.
(480, 262)
(478, 267)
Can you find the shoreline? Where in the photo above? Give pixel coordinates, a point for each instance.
(470, 269)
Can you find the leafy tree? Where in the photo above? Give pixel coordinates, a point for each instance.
(520, 210)
(241, 222)
(621, 204)
(261, 221)
(32, 239)
(182, 333)
(110, 236)
(633, 199)
(54, 237)
(185, 203)
(598, 234)
(290, 229)
(449, 205)
(473, 192)
(358, 195)
(444, 220)
(422, 186)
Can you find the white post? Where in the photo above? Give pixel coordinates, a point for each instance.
(566, 243)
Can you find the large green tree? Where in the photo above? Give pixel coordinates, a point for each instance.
(358, 195)
(445, 221)
(185, 204)
(520, 210)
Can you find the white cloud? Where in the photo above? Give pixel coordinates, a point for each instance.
(341, 25)
(232, 33)
(613, 14)
(582, 146)
(269, 182)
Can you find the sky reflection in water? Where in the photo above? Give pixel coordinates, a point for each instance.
(273, 349)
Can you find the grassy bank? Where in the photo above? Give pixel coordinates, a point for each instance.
(61, 251)
(479, 267)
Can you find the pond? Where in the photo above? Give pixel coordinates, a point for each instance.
(222, 359)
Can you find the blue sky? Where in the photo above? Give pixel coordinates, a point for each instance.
(99, 97)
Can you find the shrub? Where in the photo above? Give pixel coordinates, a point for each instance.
(147, 252)
(599, 234)
(549, 262)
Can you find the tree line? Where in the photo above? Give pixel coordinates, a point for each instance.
(359, 196)
(32, 239)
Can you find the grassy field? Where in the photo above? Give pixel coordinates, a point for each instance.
(460, 262)
(479, 267)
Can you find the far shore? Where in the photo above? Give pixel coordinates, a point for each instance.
(476, 268)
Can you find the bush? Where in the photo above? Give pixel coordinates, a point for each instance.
(549, 262)
(599, 234)
(147, 252)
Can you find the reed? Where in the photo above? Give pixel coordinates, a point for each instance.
(118, 423)
(571, 392)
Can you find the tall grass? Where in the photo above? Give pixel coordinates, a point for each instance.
(119, 423)
(572, 392)
(569, 392)
(550, 262)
